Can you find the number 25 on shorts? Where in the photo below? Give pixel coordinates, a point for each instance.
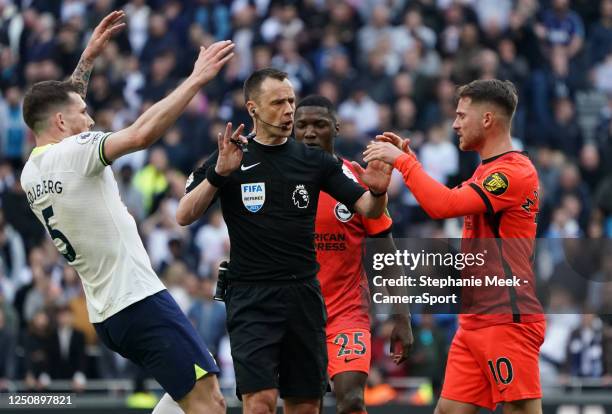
(357, 346)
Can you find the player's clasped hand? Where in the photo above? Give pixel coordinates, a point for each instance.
(230, 154)
(403, 144)
(376, 176)
(387, 148)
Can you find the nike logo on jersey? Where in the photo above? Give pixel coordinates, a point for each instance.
(347, 359)
(244, 167)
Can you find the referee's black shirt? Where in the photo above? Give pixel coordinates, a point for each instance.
(270, 205)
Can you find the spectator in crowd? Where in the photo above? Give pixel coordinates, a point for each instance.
(560, 26)
(151, 181)
(284, 22)
(586, 349)
(429, 351)
(12, 250)
(208, 315)
(212, 241)
(42, 295)
(15, 210)
(129, 194)
(70, 284)
(66, 350)
(13, 130)
(361, 109)
(565, 134)
(602, 74)
(158, 230)
(7, 353)
(298, 68)
(213, 17)
(439, 155)
(35, 342)
(600, 38)
(159, 39)
(561, 320)
(591, 169)
(377, 31)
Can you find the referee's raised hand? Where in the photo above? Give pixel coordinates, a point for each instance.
(230, 154)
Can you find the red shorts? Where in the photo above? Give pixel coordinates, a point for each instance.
(494, 364)
(348, 350)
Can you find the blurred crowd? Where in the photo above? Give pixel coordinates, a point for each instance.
(386, 65)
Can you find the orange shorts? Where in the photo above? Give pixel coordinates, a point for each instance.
(494, 364)
(348, 350)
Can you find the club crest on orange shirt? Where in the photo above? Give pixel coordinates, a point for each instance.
(496, 183)
(342, 213)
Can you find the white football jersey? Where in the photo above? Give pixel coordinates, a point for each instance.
(76, 198)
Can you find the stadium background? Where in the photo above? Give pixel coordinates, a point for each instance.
(386, 65)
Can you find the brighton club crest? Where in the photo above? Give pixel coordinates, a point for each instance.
(342, 213)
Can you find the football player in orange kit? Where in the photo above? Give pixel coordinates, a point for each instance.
(339, 242)
(494, 355)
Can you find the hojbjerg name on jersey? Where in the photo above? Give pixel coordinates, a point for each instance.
(44, 187)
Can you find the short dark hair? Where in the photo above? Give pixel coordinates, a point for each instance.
(495, 91)
(41, 98)
(320, 101)
(253, 82)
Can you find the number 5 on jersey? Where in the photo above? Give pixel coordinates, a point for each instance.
(69, 252)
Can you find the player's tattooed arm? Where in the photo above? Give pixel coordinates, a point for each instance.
(80, 76)
(100, 37)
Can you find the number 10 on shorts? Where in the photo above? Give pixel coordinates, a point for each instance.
(501, 370)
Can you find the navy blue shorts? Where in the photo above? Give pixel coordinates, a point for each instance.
(155, 334)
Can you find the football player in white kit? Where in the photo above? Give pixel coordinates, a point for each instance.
(73, 193)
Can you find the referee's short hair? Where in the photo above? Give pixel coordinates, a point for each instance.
(500, 93)
(253, 82)
(319, 101)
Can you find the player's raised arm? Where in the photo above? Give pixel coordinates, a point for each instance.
(107, 28)
(149, 127)
(435, 198)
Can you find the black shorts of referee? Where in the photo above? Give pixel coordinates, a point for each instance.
(277, 337)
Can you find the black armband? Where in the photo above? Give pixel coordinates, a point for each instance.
(215, 179)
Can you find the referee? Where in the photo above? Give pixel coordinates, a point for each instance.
(269, 195)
